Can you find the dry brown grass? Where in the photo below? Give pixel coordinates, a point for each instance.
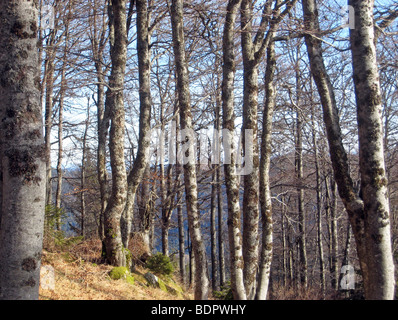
(80, 276)
(290, 292)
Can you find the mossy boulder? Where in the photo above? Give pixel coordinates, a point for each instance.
(167, 284)
(121, 273)
(140, 280)
(162, 285)
(118, 273)
(175, 289)
(155, 281)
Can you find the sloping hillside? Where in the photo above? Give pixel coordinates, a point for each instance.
(78, 275)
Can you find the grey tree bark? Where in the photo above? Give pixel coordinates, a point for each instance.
(338, 155)
(221, 251)
(145, 211)
(253, 49)
(369, 214)
(231, 181)
(144, 67)
(213, 235)
(218, 182)
(49, 92)
(83, 170)
(302, 237)
(379, 280)
(22, 152)
(58, 194)
(181, 238)
(115, 104)
(180, 214)
(250, 181)
(98, 45)
(319, 203)
(331, 212)
(201, 274)
(265, 191)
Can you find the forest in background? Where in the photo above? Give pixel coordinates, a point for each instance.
(314, 118)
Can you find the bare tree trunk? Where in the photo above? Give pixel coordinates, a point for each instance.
(331, 211)
(181, 239)
(102, 173)
(83, 170)
(145, 211)
(82, 189)
(167, 198)
(302, 241)
(319, 204)
(251, 180)
(253, 50)
(115, 104)
(165, 236)
(221, 260)
(191, 191)
(338, 155)
(345, 261)
(213, 236)
(58, 194)
(379, 281)
(219, 213)
(98, 43)
(1, 175)
(294, 275)
(265, 192)
(285, 255)
(163, 198)
(142, 159)
(180, 214)
(22, 153)
(231, 181)
(218, 195)
(369, 215)
(49, 84)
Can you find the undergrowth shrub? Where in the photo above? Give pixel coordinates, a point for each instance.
(160, 264)
(225, 293)
(54, 236)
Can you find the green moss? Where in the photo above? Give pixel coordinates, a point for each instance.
(129, 257)
(140, 279)
(122, 273)
(175, 289)
(118, 273)
(162, 285)
(130, 279)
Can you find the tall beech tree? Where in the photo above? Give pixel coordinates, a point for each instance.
(253, 49)
(265, 162)
(191, 191)
(379, 276)
(368, 211)
(22, 152)
(144, 68)
(231, 181)
(115, 105)
(98, 40)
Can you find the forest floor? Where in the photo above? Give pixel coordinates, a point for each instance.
(79, 275)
